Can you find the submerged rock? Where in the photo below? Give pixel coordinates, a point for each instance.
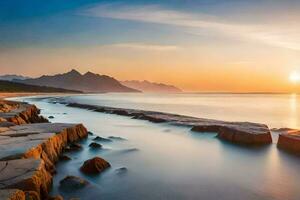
(94, 166)
(116, 138)
(73, 147)
(95, 145)
(51, 117)
(90, 133)
(121, 170)
(71, 183)
(98, 138)
(64, 158)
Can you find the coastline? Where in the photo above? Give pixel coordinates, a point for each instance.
(30, 148)
(48, 167)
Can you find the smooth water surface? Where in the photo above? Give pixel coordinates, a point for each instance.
(275, 110)
(169, 162)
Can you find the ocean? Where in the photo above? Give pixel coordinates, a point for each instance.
(162, 161)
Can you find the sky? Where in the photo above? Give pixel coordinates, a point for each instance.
(197, 45)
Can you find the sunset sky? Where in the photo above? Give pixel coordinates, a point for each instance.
(208, 45)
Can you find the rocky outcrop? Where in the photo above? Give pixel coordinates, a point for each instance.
(95, 145)
(236, 132)
(71, 183)
(289, 140)
(29, 175)
(12, 194)
(28, 154)
(20, 113)
(94, 166)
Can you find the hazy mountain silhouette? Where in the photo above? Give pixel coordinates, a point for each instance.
(10, 77)
(9, 86)
(73, 80)
(146, 86)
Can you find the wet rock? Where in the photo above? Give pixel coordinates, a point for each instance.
(236, 132)
(289, 140)
(12, 194)
(121, 170)
(90, 133)
(73, 147)
(95, 145)
(51, 117)
(94, 166)
(130, 150)
(120, 112)
(71, 183)
(116, 138)
(101, 139)
(64, 158)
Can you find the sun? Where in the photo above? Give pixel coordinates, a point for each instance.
(294, 77)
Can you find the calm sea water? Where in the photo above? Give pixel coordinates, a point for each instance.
(169, 162)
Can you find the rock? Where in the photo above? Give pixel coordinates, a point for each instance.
(64, 158)
(71, 183)
(236, 132)
(94, 166)
(121, 170)
(102, 139)
(32, 195)
(73, 147)
(51, 117)
(95, 145)
(289, 140)
(116, 138)
(58, 197)
(90, 133)
(20, 113)
(26, 175)
(12, 194)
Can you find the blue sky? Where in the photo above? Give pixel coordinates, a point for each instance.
(150, 39)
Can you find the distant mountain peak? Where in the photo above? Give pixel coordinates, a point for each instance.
(147, 86)
(74, 80)
(74, 72)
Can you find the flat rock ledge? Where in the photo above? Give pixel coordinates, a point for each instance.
(19, 113)
(12, 194)
(237, 132)
(289, 140)
(28, 154)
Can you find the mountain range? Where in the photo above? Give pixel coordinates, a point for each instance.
(146, 86)
(73, 80)
(11, 77)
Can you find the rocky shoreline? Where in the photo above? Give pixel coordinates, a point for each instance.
(29, 148)
(236, 132)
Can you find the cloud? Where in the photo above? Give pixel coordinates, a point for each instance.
(145, 47)
(279, 35)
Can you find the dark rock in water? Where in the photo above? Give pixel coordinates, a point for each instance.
(64, 158)
(95, 145)
(90, 133)
(120, 112)
(73, 147)
(71, 183)
(130, 150)
(94, 166)
(102, 139)
(289, 140)
(116, 138)
(58, 197)
(51, 117)
(121, 170)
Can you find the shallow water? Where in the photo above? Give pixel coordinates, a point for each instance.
(169, 162)
(276, 110)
